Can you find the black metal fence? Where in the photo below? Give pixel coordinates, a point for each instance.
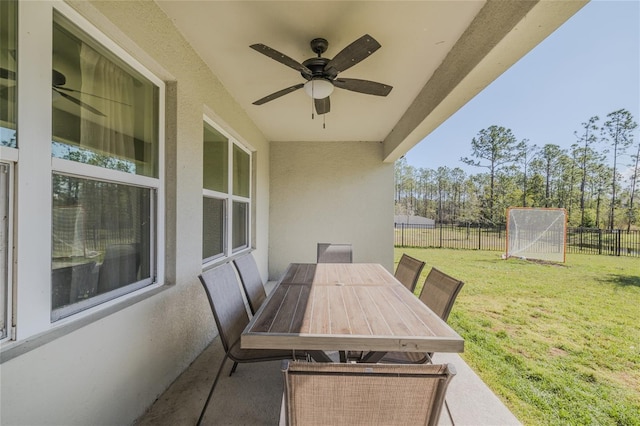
(615, 242)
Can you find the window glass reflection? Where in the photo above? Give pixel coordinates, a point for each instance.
(104, 112)
(241, 172)
(215, 160)
(240, 233)
(213, 223)
(8, 74)
(100, 238)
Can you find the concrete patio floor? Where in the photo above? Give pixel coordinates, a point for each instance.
(253, 395)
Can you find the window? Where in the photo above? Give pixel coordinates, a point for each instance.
(105, 173)
(8, 143)
(82, 179)
(226, 194)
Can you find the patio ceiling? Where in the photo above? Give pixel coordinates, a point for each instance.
(436, 54)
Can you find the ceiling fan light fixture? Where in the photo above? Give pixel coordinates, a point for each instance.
(318, 88)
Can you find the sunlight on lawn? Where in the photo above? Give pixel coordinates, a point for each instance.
(560, 344)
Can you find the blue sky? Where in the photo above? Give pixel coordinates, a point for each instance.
(589, 66)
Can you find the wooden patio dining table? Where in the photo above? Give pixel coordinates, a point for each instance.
(346, 307)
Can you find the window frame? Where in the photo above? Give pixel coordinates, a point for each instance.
(35, 166)
(86, 171)
(8, 158)
(230, 198)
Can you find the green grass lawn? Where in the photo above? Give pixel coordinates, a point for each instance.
(559, 344)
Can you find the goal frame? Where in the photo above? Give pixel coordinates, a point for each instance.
(564, 234)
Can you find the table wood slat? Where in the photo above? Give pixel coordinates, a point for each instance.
(262, 323)
(299, 274)
(297, 324)
(376, 322)
(338, 311)
(319, 318)
(358, 318)
(291, 302)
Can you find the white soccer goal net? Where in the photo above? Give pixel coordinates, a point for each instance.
(536, 233)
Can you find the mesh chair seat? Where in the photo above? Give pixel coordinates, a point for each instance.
(408, 271)
(334, 253)
(406, 358)
(364, 394)
(251, 281)
(223, 291)
(237, 354)
(439, 294)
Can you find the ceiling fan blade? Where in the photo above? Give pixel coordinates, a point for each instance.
(277, 94)
(352, 54)
(323, 106)
(79, 102)
(90, 94)
(7, 74)
(363, 86)
(281, 57)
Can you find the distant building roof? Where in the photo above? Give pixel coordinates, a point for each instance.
(413, 220)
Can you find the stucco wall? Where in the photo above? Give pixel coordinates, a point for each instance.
(110, 370)
(337, 192)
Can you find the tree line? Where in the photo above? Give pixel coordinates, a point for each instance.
(596, 180)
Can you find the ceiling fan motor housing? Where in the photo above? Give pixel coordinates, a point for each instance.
(319, 45)
(316, 66)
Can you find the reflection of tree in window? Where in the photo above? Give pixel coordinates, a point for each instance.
(112, 213)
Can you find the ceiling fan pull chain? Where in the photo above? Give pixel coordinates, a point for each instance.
(312, 106)
(324, 121)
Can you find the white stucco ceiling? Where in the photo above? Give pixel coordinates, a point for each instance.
(416, 37)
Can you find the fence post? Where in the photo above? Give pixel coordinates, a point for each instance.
(599, 241)
(618, 242)
(479, 237)
(402, 234)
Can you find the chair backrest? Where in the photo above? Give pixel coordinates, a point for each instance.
(70, 284)
(334, 253)
(119, 267)
(223, 291)
(364, 394)
(439, 292)
(408, 271)
(251, 281)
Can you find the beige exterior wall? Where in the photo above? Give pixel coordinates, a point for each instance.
(337, 192)
(109, 370)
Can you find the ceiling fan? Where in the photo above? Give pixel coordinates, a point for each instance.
(58, 80)
(322, 73)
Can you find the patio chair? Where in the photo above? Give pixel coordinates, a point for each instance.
(251, 281)
(439, 293)
(119, 267)
(230, 314)
(73, 283)
(364, 394)
(334, 253)
(408, 271)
